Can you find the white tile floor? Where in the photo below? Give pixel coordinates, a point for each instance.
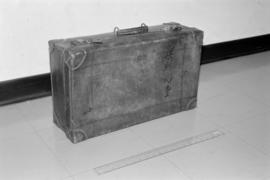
(234, 96)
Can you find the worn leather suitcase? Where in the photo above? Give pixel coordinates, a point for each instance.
(107, 82)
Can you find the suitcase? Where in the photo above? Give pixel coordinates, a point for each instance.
(107, 82)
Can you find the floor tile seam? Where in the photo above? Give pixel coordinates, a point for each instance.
(210, 122)
(254, 149)
(12, 138)
(209, 98)
(92, 168)
(60, 162)
(227, 129)
(181, 171)
(256, 99)
(229, 87)
(26, 121)
(40, 128)
(244, 141)
(242, 118)
(163, 156)
(249, 117)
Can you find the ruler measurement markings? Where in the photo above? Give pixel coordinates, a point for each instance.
(157, 152)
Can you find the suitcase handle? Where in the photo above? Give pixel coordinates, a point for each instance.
(130, 31)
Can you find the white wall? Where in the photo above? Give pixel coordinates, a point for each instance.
(27, 25)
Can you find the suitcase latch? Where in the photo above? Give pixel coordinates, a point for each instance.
(172, 26)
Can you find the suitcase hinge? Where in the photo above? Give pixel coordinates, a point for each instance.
(73, 57)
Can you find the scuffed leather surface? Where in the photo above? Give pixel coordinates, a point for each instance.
(123, 83)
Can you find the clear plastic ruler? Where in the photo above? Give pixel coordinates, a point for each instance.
(158, 151)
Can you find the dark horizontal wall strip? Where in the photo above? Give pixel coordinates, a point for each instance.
(39, 86)
(22, 89)
(235, 48)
